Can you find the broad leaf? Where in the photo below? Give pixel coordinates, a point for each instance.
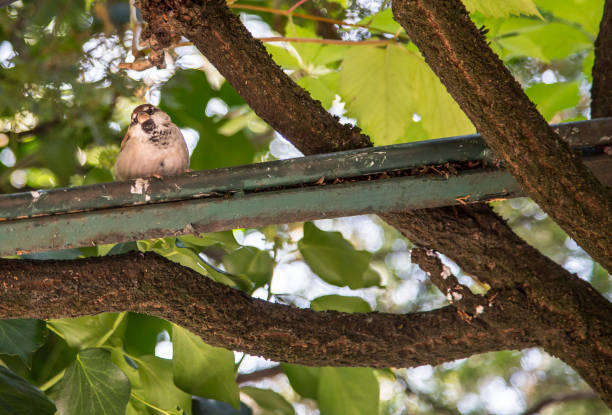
(322, 88)
(90, 331)
(184, 97)
(537, 39)
(225, 239)
(153, 383)
(271, 402)
(376, 86)
(584, 12)
(333, 258)
(18, 397)
(203, 370)
(494, 8)
(141, 333)
(440, 114)
(348, 391)
(384, 87)
(93, 385)
(382, 20)
(285, 57)
(552, 98)
(251, 262)
(307, 51)
(304, 379)
(340, 303)
(22, 337)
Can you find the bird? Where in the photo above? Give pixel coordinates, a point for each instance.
(152, 146)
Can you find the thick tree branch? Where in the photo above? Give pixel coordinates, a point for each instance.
(601, 90)
(554, 298)
(245, 63)
(510, 124)
(226, 317)
(474, 237)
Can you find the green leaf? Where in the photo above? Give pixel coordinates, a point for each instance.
(329, 54)
(544, 41)
(307, 51)
(322, 88)
(184, 98)
(440, 114)
(376, 87)
(141, 333)
(22, 337)
(98, 175)
(382, 20)
(167, 248)
(90, 331)
(552, 98)
(587, 13)
(348, 391)
(225, 239)
(333, 258)
(384, 87)
(203, 370)
(271, 402)
(587, 66)
(494, 8)
(156, 385)
(304, 379)
(18, 397)
(284, 57)
(340, 303)
(93, 385)
(255, 264)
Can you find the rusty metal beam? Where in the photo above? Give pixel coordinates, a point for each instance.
(275, 192)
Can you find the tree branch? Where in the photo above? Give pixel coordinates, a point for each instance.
(601, 97)
(259, 374)
(576, 396)
(247, 66)
(543, 165)
(225, 317)
(474, 237)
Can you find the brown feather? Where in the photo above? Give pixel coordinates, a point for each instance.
(125, 139)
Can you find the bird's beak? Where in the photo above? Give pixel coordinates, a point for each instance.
(142, 117)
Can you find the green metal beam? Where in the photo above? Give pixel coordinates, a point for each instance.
(269, 193)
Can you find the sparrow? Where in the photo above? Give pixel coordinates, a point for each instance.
(152, 146)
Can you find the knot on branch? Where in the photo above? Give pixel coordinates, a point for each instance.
(159, 34)
(468, 304)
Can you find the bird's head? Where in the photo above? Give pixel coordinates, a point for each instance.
(148, 116)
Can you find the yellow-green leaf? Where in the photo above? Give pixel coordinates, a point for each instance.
(496, 8)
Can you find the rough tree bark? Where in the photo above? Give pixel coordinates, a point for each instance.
(222, 316)
(477, 239)
(601, 91)
(548, 171)
(536, 301)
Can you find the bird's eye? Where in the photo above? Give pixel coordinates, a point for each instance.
(150, 111)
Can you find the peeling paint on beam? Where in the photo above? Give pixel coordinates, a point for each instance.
(282, 173)
(270, 193)
(249, 210)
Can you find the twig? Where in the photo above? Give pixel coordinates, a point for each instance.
(296, 5)
(576, 396)
(326, 41)
(259, 374)
(304, 16)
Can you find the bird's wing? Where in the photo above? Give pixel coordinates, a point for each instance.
(125, 139)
